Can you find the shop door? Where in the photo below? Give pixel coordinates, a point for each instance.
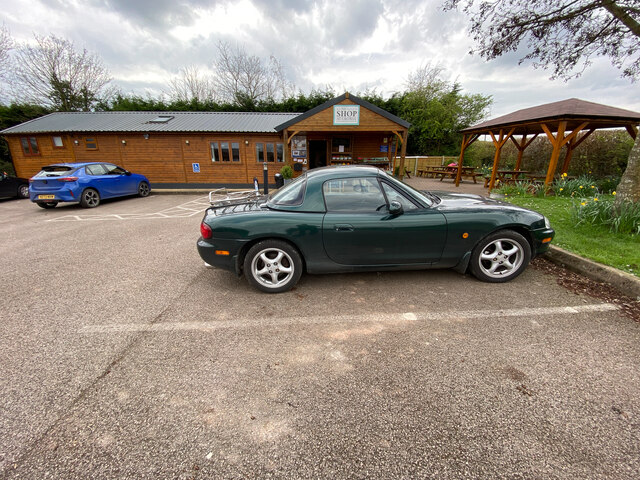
(317, 153)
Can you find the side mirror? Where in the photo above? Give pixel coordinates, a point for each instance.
(395, 208)
(127, 173)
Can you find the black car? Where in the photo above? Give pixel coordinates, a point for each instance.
(13, 186)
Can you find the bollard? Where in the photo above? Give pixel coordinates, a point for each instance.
(266, 178)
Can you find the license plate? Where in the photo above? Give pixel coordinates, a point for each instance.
(46, 197)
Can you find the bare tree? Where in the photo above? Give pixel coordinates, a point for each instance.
(425, 77)
(564, 35)
(6, 44)
(191, 85)
(246, 79)
(53, 73)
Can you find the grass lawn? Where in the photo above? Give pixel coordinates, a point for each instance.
(621, 251)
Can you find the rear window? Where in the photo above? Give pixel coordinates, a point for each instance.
(292, 194)
(55, 171)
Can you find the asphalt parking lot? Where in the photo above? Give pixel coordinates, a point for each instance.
(122, 356)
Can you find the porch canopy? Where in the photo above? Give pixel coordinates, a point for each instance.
(568, 122)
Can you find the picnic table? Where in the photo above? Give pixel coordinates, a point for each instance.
(510, 176)
(448, 172)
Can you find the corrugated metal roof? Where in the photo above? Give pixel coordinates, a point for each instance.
(249, 122)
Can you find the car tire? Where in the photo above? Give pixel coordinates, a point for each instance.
(273, 266)
(23, 191)
(90, 198)
(144, 189)
(500, 257)
(47, 205)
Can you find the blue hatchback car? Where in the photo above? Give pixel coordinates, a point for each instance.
(86, 183)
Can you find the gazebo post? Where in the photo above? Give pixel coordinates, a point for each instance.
(571, 146)
(496, 159)
(466, 141)
(556, 141)
(522, 146)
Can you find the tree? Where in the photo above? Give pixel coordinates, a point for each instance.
(247, 80)
(438, 110)
(6, 44)
(564, 35)
(560, 34)
(192, 86)
(54, 74)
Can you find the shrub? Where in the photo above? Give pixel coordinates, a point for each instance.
(286, 172)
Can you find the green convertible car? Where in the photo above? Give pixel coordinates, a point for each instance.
(358, 218)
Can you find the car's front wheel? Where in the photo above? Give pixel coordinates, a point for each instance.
(47, 204)
(500, 257)
(144, 189)
(90, 198)
(273, 266)
(23, 191)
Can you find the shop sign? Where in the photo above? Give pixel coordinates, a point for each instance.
(346, 114)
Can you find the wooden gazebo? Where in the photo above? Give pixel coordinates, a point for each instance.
(568, 122)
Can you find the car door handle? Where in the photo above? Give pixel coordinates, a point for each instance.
(343, 227)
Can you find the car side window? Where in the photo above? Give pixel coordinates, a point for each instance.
(113, 170)
(394, 195)
(353, 195)
(95, 169)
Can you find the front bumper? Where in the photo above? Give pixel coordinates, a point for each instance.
(539, 245)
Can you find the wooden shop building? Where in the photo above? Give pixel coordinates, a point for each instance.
(212, 149)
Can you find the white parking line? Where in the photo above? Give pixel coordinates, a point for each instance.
(368, 318)
(189, 209)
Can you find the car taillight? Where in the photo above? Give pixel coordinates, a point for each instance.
(68, 179)
(205, 231)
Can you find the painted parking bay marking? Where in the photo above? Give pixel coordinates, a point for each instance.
(372, 317)
(189, 209)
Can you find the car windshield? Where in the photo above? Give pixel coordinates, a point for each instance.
(416, 193)
(54, 171)
(291, 194)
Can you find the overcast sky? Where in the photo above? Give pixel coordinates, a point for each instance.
(352, 45)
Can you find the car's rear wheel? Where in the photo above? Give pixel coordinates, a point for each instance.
(23, 191)
(90, 198)
(144, 189)
(47, 204)
(273, 266)
(500, 257)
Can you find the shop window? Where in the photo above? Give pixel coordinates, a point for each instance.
(225, 152)
(270, 152)
(91, 143)
(57, 142)
(260, 152)
(29, 146)
(340, 144)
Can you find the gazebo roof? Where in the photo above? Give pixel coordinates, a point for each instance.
(574, 111)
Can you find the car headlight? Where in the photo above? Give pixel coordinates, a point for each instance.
(547, 223)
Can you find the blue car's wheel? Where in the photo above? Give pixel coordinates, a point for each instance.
(144, 189)
(500, 257)
(273, 266)
(90, 198)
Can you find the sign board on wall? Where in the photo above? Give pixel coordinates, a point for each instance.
(346, 114)
(196, 167)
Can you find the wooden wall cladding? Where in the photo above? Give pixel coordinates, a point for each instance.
(323, 120)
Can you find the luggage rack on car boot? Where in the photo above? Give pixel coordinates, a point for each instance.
(234, 201)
